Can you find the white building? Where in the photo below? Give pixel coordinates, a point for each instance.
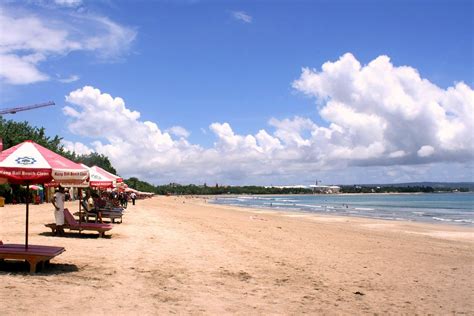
(326, 189)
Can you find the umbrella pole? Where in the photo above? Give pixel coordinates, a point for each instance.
(27, 213)
(80, 209)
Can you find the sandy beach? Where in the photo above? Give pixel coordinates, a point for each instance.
(182, 255)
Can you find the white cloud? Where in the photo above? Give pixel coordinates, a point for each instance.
(29, 39)
(19, 70)
(426, 151)
(178, 131)
(380, 121)
(68, 3)
(69, 79)
(242, 16)
(77, 147)
(383, 114)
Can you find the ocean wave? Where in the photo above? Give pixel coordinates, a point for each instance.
(285, 200)
(310, 205)
(470, 221)
(442, 219)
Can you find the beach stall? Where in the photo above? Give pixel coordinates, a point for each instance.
(29, 163)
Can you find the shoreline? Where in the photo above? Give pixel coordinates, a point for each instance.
(433, 220)
(186, 256)
(434, 229)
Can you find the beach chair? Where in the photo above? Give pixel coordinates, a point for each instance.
(34, 254)
(87, 213)
(112, 214)
(72, 224)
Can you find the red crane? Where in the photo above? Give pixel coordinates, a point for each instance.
(25, 108)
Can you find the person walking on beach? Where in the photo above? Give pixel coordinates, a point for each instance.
(58, 202)
(133, 196)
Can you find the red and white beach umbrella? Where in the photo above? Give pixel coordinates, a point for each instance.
(107, 174)
(28, 163)
(98, 179)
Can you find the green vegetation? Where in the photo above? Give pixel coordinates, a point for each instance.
(95, 159)
(139, 185)
(173, 188)
(14, 133)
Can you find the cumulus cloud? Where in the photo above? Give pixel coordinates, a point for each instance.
(77, 147)
(383, 114)
(178, 131)
(377, 115)
(29, 39)
(425, 151)
(242, 16)
(140, 147)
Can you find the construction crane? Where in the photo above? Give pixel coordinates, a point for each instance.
(25, 108)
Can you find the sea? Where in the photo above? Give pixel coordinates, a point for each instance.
(448, 208)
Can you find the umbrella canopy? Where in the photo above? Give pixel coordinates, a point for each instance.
(32, 163)
(29, 162)
(98, 179)
(107, 174)
(34, 187)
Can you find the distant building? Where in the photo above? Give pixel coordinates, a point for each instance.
(325, 189)
(288, 186)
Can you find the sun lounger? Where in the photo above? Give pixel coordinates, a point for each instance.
(87, 213)
(112, 214)
(72, 224)
(34, 254)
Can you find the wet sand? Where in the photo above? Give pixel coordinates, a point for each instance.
(186, 256)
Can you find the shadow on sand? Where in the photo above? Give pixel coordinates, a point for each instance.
(75, 235)
(17, 267)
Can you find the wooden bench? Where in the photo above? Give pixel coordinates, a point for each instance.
(34, 254)
(112, 215)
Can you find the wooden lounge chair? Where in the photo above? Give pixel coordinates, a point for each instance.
(112, 214)
(72, 224)
(87, 213)
(34, 254)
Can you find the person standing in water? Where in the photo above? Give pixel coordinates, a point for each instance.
(58, 202)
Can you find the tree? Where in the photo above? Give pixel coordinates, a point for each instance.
(14, 133)
(95, 159)
(139, 185)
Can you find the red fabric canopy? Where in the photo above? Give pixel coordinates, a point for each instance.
(99, 180)
(30, 162)
(107, 174)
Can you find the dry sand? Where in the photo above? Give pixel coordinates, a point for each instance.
(184, 256)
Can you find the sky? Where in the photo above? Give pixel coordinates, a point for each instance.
(249, 92)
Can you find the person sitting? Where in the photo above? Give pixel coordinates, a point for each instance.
(91, 207)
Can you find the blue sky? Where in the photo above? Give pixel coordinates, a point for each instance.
(185, 65)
